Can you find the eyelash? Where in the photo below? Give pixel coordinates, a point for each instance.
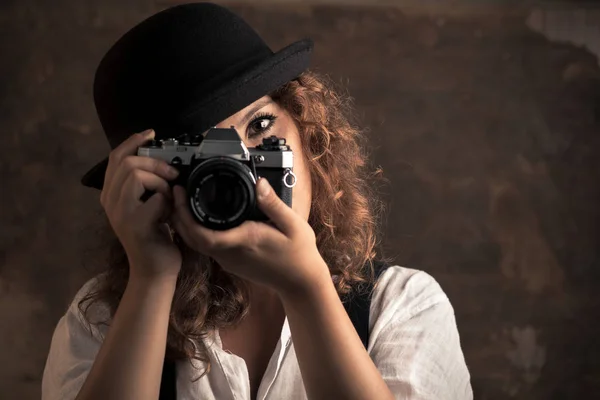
(271, 117)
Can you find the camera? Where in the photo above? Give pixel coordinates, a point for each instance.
(220, 173)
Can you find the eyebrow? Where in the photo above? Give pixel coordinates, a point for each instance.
(253, 110)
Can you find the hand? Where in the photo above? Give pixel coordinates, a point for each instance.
(140, 226)
(282, 255)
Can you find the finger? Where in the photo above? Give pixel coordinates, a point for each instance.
(130, 164)
(128, 147)
(185, 223)
(280, 214)
(208, 240)
(136, 184)
(177, 225)
(180, 202)
(196, 236)
(249, 235)
(184, 215)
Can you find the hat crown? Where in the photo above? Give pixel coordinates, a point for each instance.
(168, 60)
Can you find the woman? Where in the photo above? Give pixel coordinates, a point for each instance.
(226, 305)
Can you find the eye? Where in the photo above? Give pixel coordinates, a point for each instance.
(261, 124)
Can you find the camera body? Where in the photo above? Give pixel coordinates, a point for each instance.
(220, 173)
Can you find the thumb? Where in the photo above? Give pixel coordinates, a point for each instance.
(274, 208)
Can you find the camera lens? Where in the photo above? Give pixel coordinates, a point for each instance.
(221, 192)
(220, 195)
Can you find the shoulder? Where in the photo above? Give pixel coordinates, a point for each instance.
(86, 310)
(407, 292)
(88, 287)
(414, 337)
(75, 342)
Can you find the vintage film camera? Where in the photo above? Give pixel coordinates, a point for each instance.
(220, 173)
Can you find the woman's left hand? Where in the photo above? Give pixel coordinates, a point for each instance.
(283, 257)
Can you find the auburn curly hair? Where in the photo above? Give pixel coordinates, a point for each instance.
(345, 215)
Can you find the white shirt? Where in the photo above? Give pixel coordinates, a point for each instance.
(413, 341)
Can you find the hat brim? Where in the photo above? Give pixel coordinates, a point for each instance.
(254, 83)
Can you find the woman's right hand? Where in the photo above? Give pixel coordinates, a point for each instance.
(141, 226)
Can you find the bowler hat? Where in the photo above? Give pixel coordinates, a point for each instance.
(183, 70)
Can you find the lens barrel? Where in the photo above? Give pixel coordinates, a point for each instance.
(221, 193)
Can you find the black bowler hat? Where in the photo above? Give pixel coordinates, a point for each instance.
(184, 70)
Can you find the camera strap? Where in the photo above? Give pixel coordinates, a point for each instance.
(357, 306)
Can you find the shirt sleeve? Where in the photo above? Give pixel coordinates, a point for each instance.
(73, 349)
(414, 340)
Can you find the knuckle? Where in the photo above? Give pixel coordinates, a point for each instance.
(113, 156)
(128, 162)
(160, 166)
(211, 244)
(160, 199)
(253, 236)
(272, 201)
(137, 174)
(166, 191)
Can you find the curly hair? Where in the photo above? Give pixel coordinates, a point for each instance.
(345, 216)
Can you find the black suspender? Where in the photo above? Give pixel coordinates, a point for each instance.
(168, 387)
(358, 307)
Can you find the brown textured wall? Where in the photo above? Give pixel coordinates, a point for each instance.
(487, 132)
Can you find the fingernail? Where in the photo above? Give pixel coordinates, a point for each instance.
(263, 188)
(149, 133)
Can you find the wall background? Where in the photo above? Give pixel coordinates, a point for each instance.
(486, 119)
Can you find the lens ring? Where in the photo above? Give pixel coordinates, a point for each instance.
(208, 173)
